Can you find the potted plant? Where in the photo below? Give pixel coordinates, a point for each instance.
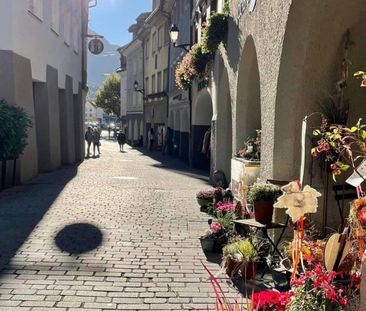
(205, 197)
(14, 125)
(240, 255)
(262, 196)
(208, 239)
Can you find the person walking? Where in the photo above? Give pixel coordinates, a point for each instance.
(121, 138)
(88, 139)
(96, 141)
(151, 138)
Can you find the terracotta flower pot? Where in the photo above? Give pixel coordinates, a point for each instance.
(263, 211)
(248, 270)
(232, 267)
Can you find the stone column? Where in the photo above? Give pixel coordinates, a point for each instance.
(79, 125)
(17, 89)
(67, 123)
(48, 122)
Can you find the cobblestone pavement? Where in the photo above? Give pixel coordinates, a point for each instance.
(131, 225)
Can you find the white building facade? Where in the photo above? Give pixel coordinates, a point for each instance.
(122, 71)
(43, 70)
(156, 45)
(135, 73)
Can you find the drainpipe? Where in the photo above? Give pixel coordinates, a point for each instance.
(190, 151)
(143, 86)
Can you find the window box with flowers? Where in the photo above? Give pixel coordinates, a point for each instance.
(194, 64)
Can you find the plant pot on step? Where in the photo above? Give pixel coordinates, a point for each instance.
(207, 244)
(204, 202)
(231, 267)
(248, 270)
(263, 211)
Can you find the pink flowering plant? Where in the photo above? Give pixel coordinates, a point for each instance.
(193, 65)
(225, 207)
(315, 290)
(185, 71)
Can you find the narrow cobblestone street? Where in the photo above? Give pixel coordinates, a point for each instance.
(132, 225)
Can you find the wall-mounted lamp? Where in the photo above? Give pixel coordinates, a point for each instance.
(138, 89)
(174, 35)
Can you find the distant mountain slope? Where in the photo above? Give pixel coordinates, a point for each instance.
(99, 66)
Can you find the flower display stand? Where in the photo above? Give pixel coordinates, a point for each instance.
(243, 172)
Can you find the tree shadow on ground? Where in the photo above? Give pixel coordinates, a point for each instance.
(79, 238)
(22, 208)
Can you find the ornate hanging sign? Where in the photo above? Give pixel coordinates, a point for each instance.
(96, 46)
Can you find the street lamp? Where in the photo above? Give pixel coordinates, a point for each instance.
(174, 35)
(138, 89)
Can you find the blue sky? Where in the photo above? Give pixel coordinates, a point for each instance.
(111, 18)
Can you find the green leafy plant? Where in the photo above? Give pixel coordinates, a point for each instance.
(200, 60)
(215, 32)
(240, 251)
(335, 109)
(342, 147)
(226, 220)
(263, 191)
(14, 124)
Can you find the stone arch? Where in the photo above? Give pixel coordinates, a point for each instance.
(201, 120)
(311, 62)
(184, 135)
(310, 67)
(222, 139)
(203, 109)
(248, 103)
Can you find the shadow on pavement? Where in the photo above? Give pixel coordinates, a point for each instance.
(174, 164)
(22, 207)
(79, 238)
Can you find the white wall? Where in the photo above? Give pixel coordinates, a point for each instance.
(123, 75)
(32, 37)
(134, 73)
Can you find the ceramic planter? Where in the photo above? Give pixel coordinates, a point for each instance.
(207, 244)
(263, 211)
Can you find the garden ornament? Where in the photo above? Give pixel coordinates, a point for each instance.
(298, 202)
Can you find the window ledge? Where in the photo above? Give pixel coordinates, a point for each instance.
(35, 16)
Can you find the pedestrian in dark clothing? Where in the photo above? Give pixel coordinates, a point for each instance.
(96, 141)
(121, 138)
(88, 139)
(151, 138)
